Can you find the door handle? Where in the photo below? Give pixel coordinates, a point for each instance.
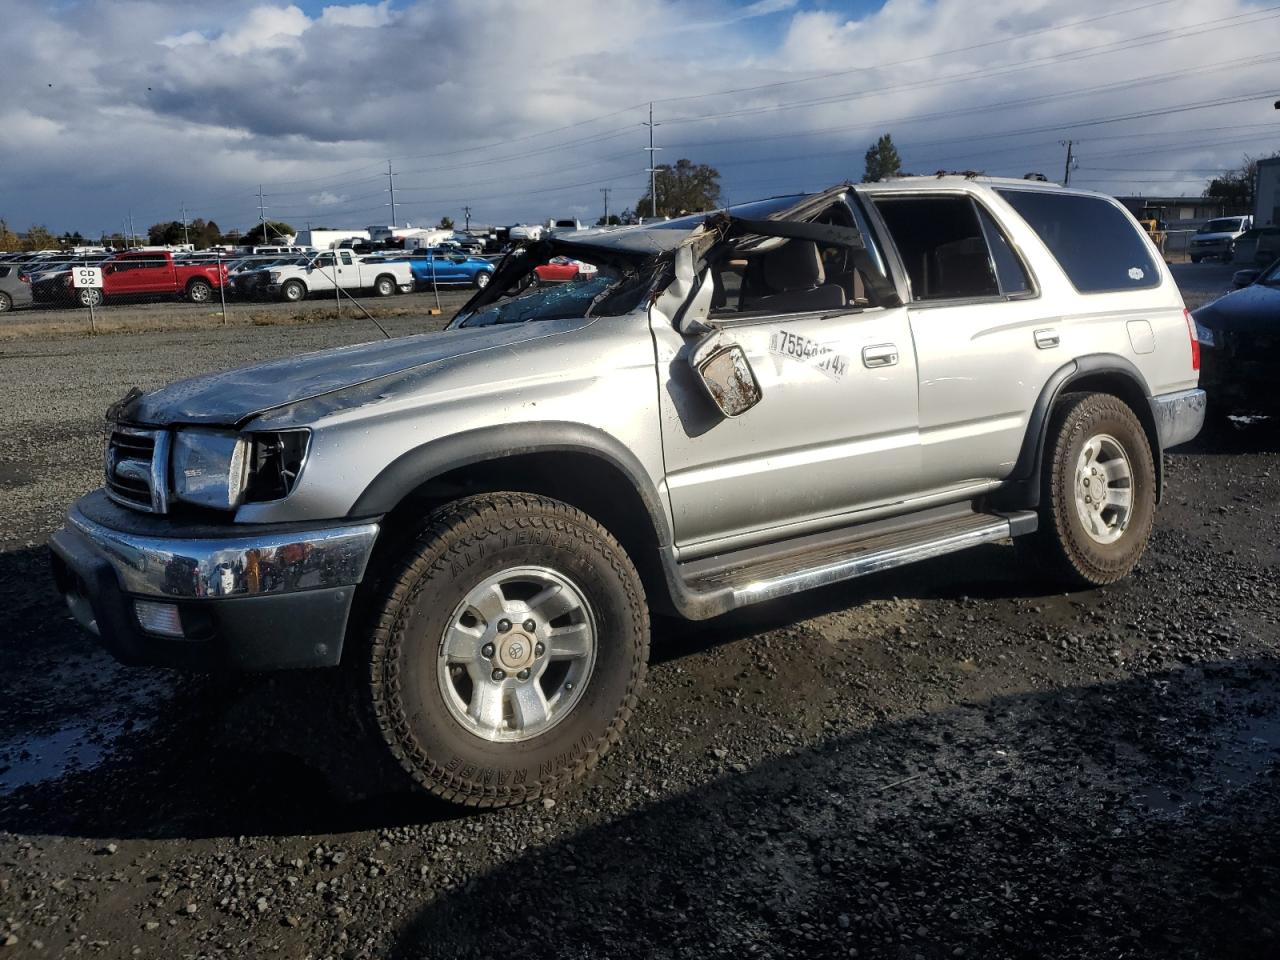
(880, 355)
(1046, 338)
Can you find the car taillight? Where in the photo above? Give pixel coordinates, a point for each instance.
(24, 278)
(1195, 340)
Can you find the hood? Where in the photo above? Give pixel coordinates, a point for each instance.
(1254, 309)
(1230, 235)
(233, 397)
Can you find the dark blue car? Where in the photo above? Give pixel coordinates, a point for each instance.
(1240, 346)
(449, 268)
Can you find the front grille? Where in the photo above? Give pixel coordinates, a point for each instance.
(136, 465)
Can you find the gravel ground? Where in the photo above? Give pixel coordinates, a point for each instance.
(946, 760)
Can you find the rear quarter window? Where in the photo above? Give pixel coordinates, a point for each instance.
(1096, 245)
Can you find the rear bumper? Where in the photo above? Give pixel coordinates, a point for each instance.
(249, 602)
(1178, 416)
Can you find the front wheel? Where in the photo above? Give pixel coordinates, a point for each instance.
(89, 297)
(509, 650)
(1098, 491)
(1195, 259)
(293, 291)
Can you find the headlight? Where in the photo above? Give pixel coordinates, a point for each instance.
(274, 276)
(221, 469)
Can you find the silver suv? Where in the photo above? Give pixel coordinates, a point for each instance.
(732, 408)
(1217, 238)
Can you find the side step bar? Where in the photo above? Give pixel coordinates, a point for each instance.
(719, 584)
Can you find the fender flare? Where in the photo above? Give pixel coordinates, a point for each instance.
(1023, 485)
(413, 468)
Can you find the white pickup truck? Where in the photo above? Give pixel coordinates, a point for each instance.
(341, 268)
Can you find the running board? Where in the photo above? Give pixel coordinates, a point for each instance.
(719, 584)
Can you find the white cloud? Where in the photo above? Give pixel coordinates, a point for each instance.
(144, 103)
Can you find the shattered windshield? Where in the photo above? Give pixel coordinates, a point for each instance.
(542, 283)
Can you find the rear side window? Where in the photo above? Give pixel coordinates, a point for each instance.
(1096, 245)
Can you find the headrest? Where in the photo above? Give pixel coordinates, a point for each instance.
(796, 265)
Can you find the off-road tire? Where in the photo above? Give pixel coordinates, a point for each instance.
(293, 291)
(6, 303)
(384, 286)
(1061, 547)
(198, 291)
(458, 547)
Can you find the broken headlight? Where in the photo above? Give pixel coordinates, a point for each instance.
(221, 469)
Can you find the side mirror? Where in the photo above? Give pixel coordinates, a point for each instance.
(1242, 278)
(726, 375)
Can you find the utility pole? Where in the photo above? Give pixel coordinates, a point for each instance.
(391, 185)
(1066, 176)
(653, 170)
(262, 214)
(466, 218)
(186, 240)
(605, 220)
(130, 228)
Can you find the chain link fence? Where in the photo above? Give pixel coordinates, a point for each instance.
(100, 290)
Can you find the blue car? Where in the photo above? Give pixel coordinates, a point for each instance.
(449, 268)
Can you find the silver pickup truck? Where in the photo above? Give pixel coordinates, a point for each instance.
(476, 523)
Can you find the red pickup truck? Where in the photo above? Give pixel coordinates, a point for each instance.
(142, 273)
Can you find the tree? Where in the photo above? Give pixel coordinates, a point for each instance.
(613, 221)
(9, 242)
(1236, 187)
(882, 160)
(685, 187)
(277, 232)
(446, 223)
(39, 238)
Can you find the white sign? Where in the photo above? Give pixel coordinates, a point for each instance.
(86, 277)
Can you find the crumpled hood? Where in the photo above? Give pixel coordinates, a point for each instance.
(1253, 309)
(231, 398)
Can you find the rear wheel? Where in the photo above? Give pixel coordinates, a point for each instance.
(293, 291)
(509, 649)
(6, 302)
(198, 291)
(384, 286)
(481, 279)
(1098, 491)
(1194, 258)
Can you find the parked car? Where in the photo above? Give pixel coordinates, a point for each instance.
(1240, 345)
(736, 407)
(431, 267)
(1217, 238)
(468, 244)
(562, 270)
(149, 273)
(15, 287)
(1257, 246)
(323, 272)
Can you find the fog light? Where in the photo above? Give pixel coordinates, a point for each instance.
(159, 618)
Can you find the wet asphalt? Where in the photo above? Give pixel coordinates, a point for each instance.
(947, 760)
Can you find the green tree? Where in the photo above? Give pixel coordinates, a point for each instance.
(1236, 187)
(882, 160)
(683, 187)
(9, 242)
(613, 221)
(446, 223)
(277, 232)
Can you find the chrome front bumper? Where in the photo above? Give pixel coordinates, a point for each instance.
(249, 601)
(1178, 416)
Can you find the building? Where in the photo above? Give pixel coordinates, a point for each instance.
(1181, 212)
(1266, 193)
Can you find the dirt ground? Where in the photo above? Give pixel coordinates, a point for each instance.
(947, 760)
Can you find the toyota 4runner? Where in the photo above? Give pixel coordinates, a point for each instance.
(733, 407)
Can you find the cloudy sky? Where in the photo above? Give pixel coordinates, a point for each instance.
(525, 110)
